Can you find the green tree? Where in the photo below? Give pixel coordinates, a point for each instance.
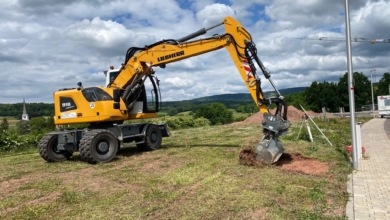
(297, 99)
(38, 125)
(4, 124)
(247, 108)
(323, 94)
(50, 123)
(216, 113)
(362, 90)
(172, 111)
(22, 127)
(383, 85)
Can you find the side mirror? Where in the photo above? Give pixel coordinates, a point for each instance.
(116, 95)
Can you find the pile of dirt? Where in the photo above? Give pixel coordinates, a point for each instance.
(294, 162)
(293, 114)
(248, 157)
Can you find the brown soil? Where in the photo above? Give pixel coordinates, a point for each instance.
(293, 114)
(248, 157)
(294, 162)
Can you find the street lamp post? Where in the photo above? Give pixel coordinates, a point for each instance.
(372, 94)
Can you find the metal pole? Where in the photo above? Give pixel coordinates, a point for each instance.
(351, 87)
(372, 95)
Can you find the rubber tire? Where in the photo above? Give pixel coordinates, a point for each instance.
(88, 146)
(47, 149)
(153, 139)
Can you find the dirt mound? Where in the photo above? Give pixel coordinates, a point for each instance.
(248, 157)
(294, 162)
(293, 114)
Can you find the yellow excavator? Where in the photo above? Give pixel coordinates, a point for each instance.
(132, 92)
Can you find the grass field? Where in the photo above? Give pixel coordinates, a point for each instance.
(196, 175)
(11, 120)
(186, 115)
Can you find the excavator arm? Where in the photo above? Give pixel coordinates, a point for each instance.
(238, 42)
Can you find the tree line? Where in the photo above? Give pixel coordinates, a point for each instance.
(33, 109)
(333, 95)
(330, 95)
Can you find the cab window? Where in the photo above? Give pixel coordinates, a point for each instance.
(95, 94)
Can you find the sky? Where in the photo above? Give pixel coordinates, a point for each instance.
(46, 45)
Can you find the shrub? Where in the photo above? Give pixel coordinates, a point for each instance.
(176, 122)
(10, 140)
(217, 113)
(4, 124)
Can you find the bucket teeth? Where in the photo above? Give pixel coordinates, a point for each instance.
(269, 151)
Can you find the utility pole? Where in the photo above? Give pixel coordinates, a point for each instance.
(372, 94)
(351, 87)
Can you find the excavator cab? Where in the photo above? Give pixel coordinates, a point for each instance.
(145, 99)
(148, 100)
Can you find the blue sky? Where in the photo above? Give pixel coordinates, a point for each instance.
(51, 44)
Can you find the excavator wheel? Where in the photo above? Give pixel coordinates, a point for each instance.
(153, 139)
(48, 149)
(98, 145)
(269, 151)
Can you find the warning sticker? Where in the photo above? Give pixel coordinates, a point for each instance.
(68, 115)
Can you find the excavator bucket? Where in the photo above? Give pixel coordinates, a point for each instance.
(269, 151)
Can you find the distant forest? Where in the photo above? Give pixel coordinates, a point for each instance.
(241, 102)
(33, 109)
(331, 95)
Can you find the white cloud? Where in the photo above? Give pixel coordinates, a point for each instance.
(46, 45)
(213, 14)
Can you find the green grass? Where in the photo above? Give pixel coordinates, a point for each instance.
(196, 175)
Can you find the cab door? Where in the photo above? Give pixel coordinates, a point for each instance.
(151, 94)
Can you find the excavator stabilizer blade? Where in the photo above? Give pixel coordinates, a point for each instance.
(269, 151)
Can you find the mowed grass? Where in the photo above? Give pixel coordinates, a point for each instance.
(187, 114)
(196, 175)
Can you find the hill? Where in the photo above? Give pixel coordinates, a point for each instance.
(243, 97)
(231, 101)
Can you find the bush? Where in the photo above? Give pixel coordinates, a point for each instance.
(240, 118)
(11, 141)
(22, 127)
(38, 125)
(4, 124)
(216, 113)
(176, 122)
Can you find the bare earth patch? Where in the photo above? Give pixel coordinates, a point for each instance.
(294, 162)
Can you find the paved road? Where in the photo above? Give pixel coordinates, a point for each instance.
(369, 185)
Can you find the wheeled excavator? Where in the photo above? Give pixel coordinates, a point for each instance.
(132, 92)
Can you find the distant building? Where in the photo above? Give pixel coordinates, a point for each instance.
(25, 115)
